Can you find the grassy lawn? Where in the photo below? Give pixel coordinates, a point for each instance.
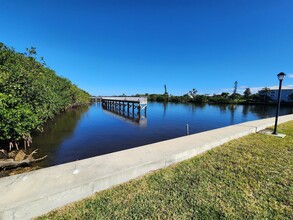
(249, 178)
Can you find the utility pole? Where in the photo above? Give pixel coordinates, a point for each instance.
(235, 87)
(165, 87)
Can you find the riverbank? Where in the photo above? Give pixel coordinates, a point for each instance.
(31, 94)
(35, 193)
(227, 102)
(93, 128)
(247, 178)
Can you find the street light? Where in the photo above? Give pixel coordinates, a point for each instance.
(281, 76)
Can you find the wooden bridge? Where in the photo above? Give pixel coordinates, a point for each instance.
(120, 103)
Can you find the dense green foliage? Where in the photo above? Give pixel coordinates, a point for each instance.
(194, 98)
(248, 178)
(31, 93)
(225, 98)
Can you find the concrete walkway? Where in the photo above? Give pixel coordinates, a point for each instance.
(35, 193)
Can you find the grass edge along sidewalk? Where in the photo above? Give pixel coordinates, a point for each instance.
(247, 178)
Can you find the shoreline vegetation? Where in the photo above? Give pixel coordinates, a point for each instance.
(224, 98)
(261, 97)
(30, 94)
(247, 178)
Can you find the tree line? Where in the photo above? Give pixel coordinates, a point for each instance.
(30, 94)
(224, 98)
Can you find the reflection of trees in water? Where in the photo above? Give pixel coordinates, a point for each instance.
(265, 111)
(200, 105)
(261, 111)
(232, 109)
(188, 106)
(56, 130)
(165, 105)
(246, 109)
(196, 106)
(222, 107)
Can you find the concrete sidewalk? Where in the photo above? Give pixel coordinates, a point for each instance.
(35, 193)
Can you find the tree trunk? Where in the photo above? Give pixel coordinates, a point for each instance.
(10, 163)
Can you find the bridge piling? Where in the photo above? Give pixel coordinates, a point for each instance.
(119, 103)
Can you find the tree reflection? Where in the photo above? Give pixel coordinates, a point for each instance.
(55, 131)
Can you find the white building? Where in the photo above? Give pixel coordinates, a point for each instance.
(285, 94)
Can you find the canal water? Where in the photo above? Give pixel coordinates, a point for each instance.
(91, 131)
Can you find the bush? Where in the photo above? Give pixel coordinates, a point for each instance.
(30, 94)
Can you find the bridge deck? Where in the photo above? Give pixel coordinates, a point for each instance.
(140, 100)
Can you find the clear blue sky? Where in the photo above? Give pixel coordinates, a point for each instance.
(112, 47)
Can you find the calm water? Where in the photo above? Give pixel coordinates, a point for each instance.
(90, 131)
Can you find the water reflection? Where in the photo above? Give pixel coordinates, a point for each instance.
(245, 110)
(265, 111)
(232, 109)
(165, 105)
(127, 116)
(56, 131)
(92, 131)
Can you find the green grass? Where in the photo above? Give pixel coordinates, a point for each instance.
(248, 178)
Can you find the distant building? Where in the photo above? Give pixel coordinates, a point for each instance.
(286, 95)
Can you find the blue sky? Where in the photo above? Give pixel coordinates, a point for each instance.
(112, 47)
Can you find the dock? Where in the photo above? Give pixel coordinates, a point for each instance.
(125, 103)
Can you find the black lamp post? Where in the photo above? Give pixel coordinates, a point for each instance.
(281, 76)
